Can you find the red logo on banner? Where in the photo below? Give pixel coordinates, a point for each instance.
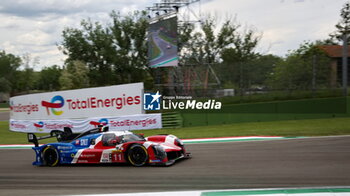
(56, 102)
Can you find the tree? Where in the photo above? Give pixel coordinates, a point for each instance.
(205, 46)
(301, 67)
(74, 76)
(26, 79)
(343, 26)
(49, 78)
(224, 46)
(9, 64)
(129, 33)
(238, 59)
(89, 45)
(114, 54)
(263, 67)
(5, 85)
(79, 72)
(250, 73)
(65, 80)
(117, 52)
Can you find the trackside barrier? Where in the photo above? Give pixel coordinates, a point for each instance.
(270, 111)
(172, 120)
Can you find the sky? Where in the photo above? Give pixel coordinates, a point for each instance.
(34, 27)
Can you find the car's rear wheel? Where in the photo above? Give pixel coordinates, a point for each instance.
(50, 156)
(137, 155)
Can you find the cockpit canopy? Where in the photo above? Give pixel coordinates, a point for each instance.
(112, 139)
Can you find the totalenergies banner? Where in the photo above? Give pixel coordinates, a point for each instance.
(131, 122)
(79, 104)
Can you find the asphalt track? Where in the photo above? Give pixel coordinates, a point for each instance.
(311, 162)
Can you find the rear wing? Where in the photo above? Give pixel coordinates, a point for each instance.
(65, 135)
(33, 139)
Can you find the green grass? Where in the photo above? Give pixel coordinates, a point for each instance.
(167, 38)
(290, 128)
(10, 137)
(155, 50)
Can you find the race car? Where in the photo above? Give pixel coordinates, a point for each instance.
(102, 146)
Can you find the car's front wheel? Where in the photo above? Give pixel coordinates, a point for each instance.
(137, 155)
(50, 156)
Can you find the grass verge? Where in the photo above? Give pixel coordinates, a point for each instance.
(290, 128)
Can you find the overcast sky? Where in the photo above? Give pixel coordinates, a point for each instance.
(35, 26)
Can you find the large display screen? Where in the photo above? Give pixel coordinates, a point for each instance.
(162, 43)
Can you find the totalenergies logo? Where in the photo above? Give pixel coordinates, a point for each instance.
(56, 102)
(39, 125)
(102, 121)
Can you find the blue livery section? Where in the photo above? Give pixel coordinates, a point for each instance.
(66, 150)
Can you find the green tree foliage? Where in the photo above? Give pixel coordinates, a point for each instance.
(65, 80)
(74, 76)
(263, 67)
(5, 85)
(114, 54)
(249, 73)
(26, 79)
(300, 67)
(225, 46)
(9, 64)
(343, 26)
(184, 36)
(204, 45)
(240, 61)
(49, 78)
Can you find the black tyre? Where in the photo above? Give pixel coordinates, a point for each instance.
(137, 155)
(50, 156)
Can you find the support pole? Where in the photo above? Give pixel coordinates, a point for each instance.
(345, 65)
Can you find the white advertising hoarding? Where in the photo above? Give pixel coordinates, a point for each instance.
(119, 100)
(120, 107)
(121, 123)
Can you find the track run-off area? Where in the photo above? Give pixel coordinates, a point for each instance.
(277, 163)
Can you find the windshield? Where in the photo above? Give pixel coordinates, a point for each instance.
(131, 138)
